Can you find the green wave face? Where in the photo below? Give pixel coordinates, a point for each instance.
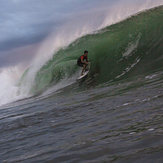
(123, 50)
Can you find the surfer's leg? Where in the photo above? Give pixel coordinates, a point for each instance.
(86, 69)
(84, 66)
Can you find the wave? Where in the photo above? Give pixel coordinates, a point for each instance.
(126, 49)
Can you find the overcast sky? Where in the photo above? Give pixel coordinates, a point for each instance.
(28, 21)
(24, 24)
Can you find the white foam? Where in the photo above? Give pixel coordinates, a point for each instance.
(132, 133)
(129, 68)
(131, 47)
(8, 84)
(150, 77)
(151, 129)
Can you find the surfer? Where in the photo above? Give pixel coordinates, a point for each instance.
(83, 63)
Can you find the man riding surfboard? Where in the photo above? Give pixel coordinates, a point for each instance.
(82, 63)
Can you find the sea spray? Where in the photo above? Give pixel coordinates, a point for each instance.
(9, 78)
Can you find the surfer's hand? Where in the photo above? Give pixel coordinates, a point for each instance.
(89, 60)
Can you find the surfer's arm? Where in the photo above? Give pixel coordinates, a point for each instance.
(84, 62)
(88, 60)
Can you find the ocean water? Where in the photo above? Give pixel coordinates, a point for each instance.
(115, 114)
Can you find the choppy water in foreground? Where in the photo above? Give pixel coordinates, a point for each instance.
(115, 122)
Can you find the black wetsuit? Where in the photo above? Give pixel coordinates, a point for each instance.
(79, 63)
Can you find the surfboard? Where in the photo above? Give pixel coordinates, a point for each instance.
(84, 74)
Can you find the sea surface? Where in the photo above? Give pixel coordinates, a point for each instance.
(114, 114)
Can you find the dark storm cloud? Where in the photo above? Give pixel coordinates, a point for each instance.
(19, 42)
(42, 30)
(29, 21)
(20, 19)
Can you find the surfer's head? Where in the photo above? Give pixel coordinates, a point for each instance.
(85, 52)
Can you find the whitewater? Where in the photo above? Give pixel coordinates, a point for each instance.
(112, 115)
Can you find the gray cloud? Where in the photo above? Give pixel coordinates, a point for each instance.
(21, 17)
(26, 22)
